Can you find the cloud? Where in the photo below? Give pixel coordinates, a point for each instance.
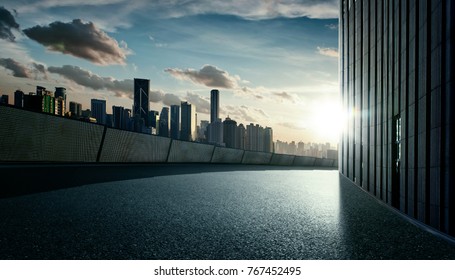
(121, 88)
(167, 99)
(331, 52)
(18, 69)
(156, 96)
(251, 9)
(209, 75)
(83, 40)
(284, 96)
(332, 26)
(202, 104)
(171, 99)
(7, 23)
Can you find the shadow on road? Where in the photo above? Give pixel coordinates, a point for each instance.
(20, 179)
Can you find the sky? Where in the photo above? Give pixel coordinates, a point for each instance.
(275, 62)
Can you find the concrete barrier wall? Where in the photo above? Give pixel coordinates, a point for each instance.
(227, 155)
(304, 161)
(278, 159)
(126, 146)
(251, 157)
(34, 137)
(327, 162)
(182, 151)
(29, 136)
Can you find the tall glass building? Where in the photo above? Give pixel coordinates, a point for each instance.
(397, 81)
(175, 122)
(98, 107)
(141, 100)
(214, 105)
(188, 122)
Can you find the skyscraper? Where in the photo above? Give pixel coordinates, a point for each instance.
(141, 100)
(230, 133)
(240, 137)
(268, 140)
(60, 92)
(60, 106)
(98, 110)
(75, 109)
(40, 90)
(164, 122)
(4, 99)
(117, 117)
(214, 105)
(188, 122)
(397, 83)
(19, 98)
(251, 137)
(175, 121)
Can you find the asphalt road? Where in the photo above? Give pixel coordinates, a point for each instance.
(180, 212)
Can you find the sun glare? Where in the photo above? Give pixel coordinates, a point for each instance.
(328, 121)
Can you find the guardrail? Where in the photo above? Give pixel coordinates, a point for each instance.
(36, 137)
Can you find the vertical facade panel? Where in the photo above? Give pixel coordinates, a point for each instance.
(397, 62)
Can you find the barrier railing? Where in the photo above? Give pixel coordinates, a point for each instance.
(35, 137)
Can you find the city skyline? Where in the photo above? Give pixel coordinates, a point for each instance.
(285, 77)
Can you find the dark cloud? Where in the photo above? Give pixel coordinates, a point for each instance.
(83, 40)
(39, 67)
(93, 81)
(7, 23)
(18, 69)
(209, 75)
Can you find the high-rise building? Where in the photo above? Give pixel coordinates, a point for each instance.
(4, 99)
(127, 119)
(49, 105)
(98, 110)
(60, 106)
(188, 122)
(164, 122)
(154, 117)
(202, 131)
(19, 98)
(215, 133)
(397, 82)
(75, 109)
(40, 90)
(240, 137)
(230, 133)
(141, 100)
(268, 140)
(214, 105)
(33, 102)
(60, 92)
(175, 122)
(117, 117)
(251, 137)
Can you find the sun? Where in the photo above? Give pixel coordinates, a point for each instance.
(327, 120)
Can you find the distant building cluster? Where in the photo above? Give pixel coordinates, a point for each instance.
(318, 150)
(41, 100)
(177, 121)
